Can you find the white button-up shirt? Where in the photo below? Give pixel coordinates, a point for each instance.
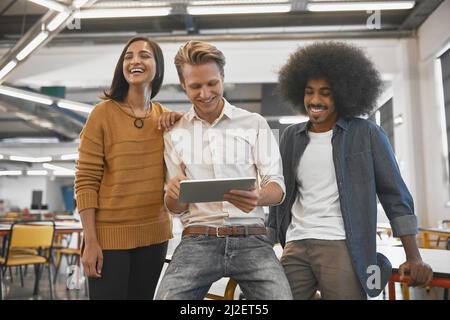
(237, 144)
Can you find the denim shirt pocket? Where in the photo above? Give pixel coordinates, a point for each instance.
(360, 167)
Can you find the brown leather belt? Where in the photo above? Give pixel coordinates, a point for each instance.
(232, 231)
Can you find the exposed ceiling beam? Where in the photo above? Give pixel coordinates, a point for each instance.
(419, 14)
(46, 119)
(37, 36)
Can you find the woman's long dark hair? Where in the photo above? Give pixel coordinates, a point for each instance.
(119, 86)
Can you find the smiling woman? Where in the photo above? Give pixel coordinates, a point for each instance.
(120, 179)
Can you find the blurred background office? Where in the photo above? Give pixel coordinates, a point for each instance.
(57, 56)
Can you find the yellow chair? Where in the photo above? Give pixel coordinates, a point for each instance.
(30, 238)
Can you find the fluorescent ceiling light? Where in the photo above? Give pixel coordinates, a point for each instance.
(10, 173)
(30, 159)
(285, 29)
(129, 4)
(57, 21)
(64, 173)
(76, 106)
(30, 140)
(292, 119)
(361, 6)
(73, 156)
(55, 167)
(235, 2)
(23, 94)
(79, 3)
(33, 44)
(1, 156)
(122, 13)
(6, 69)
(238, 9)
(52, 5)
(37, 172)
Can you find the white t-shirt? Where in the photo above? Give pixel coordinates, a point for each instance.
(316, 213)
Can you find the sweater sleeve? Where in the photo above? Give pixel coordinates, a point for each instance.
(90, 164)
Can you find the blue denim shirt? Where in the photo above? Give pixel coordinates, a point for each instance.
(365, 168)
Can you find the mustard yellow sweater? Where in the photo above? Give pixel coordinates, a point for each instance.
(120, 173)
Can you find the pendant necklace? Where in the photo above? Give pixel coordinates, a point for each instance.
(138, 122)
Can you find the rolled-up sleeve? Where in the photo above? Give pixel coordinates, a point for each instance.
(392, 191)
(268, 158)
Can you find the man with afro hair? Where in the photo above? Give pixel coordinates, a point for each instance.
(335, 165)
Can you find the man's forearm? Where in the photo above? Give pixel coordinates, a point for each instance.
(270, 194)
(410, 247)
(175, 206)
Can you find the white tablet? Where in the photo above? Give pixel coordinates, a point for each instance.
(212, 190)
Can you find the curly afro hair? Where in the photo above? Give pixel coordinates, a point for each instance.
(354, 81)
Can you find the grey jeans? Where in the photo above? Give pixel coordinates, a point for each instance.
(200, 260)
(323, 265)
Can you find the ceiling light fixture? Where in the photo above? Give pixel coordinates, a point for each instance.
(33, 44)
(6, 69)
(360, 6)
(122, 13)
(30, 159)
(234, 2)
(75, 106)
(57, 21)
(10, 173)
(37, 172)
(55, 167)
(72, 156)
(79, 3)
(25, 95)
(238, 9)
(64, 173)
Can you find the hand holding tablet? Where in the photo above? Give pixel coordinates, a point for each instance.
(212, 190)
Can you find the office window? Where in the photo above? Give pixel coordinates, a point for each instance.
(385, 115)
(445, 65)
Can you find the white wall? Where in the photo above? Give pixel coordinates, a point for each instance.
(16, 191)
(433, 36)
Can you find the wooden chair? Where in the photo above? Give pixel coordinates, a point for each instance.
(228, 294)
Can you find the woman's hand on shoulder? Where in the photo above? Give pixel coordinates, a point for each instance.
(168, 119)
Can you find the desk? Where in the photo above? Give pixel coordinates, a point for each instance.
(427, 232)
(439, 260)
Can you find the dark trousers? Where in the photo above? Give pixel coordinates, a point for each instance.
(129, 274)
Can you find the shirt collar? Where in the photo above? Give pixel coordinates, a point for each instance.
(227, 111)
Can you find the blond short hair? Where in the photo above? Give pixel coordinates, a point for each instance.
(197, 53)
